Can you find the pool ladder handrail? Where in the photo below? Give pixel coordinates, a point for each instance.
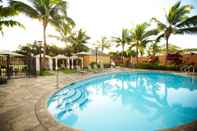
(188, 68)
(183, 68)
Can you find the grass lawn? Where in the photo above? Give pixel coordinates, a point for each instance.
(69, 71)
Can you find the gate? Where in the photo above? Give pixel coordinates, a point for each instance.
(13, 67)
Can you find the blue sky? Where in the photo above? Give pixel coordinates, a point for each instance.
(100, 18)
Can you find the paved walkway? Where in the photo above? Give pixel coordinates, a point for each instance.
(18, 100)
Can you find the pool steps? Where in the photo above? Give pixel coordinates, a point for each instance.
(73, 101)
(66, 95)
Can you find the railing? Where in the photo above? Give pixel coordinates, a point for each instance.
(188, 68)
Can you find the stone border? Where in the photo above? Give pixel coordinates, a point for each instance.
(48, 121)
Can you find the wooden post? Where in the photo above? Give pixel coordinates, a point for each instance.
(8, 66)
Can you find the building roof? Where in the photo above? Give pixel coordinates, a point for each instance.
(7, 52)
(91, 52)
(61, 57)
(46, 56)
(190, 52)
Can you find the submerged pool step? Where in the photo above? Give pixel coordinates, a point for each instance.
(59, 95)
(68, 94)
(62, 92)
(72, 107)
(76, 103)
(71, 99)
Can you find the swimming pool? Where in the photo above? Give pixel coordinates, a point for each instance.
(126, 101)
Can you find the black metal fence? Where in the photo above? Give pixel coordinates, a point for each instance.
(12, 67)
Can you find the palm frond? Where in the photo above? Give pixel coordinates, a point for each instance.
(24, 8)
(191, 21)
(159, 37)
(181, 13)
(9, 23)
(160, 25)
(187, 30)
(172, 12)
(7, 11)
(151, 33)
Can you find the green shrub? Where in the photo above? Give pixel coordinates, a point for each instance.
(156, 67)
(45, 73)
(94, 63)
(121, 65)
(69, 71)
(107, 65)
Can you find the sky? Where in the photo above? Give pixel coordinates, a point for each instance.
(99, 18)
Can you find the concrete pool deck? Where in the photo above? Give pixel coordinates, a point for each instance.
(23, 102)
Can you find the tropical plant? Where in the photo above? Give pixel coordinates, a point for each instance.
(190, 49)
(45, 11)
(5, 14)
(53, 50)
(103, 44)
(28, 49)
(178, 21)
(78, 40)
(171, 48)
(141, 36)
(154, 49)
(129, 53)
(122, 40)
(35, 49)
(63, 25)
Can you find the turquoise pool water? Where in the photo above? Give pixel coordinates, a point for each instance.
(127, 101)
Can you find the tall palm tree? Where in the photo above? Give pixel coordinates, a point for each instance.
(103, 44)
(178, 21)
(5, 14)
(78, 40)
(140, 37)
(44, 10)
(122, 40)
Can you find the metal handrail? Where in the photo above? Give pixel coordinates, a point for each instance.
(188, 68)
(183, 67)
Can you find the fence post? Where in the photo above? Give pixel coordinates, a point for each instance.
(57, 78)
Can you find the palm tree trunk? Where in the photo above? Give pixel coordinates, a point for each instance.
(137, 53)
(166, 58)
(45, 44)
(102, 49)
(123, 54)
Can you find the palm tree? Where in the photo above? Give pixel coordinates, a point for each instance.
(122, 41)
(78, 40)
(154, 49)
(103, 44)
(140, 37)
(178, 21)
(45, 11)
(63, 25)
(5, 14)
